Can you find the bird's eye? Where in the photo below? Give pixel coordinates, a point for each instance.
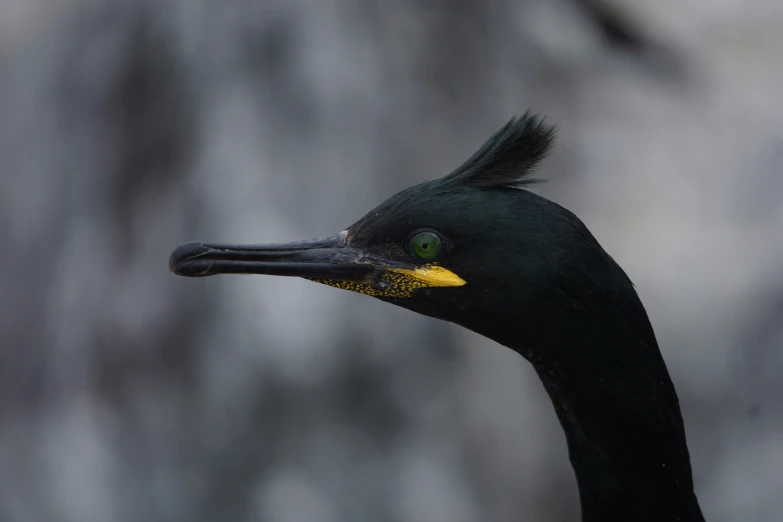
(425, 245)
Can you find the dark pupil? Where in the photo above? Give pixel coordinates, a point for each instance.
(424, 246)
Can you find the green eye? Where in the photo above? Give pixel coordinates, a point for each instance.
(424, 245)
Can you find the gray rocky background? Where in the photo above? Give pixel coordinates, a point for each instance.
(129, 127)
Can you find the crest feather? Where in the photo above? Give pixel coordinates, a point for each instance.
(509, 156)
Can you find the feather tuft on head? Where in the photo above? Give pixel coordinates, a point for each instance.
(509, 156)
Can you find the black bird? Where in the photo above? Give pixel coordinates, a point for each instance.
(478, 249)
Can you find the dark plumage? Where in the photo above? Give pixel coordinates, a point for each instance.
(509, 156)
(473, 249)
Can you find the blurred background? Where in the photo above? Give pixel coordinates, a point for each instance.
(130, 127)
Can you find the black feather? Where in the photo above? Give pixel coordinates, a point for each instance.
(509, 156)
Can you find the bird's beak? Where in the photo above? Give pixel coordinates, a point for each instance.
(319, 258)
(329, 260)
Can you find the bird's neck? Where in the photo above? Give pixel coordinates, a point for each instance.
(625, 434)
(617, 404)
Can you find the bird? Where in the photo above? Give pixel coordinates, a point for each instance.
(478, 248)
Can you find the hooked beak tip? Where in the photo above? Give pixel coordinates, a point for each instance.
(184, 253)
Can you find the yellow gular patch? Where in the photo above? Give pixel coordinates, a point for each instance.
(401, 282)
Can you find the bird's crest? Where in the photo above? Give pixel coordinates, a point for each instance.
(509, 156)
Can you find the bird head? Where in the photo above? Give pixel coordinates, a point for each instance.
(473, 247)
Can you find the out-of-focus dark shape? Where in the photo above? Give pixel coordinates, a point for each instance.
(623, 33)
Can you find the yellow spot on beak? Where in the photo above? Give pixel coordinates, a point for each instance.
(432, 275)
(401, 282)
